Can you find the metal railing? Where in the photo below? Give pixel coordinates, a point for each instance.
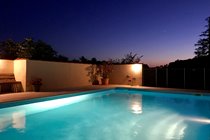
(190, 78)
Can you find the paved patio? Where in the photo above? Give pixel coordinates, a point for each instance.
(11, 97)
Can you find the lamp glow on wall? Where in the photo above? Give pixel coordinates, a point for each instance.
(136, 68)
(3, 65)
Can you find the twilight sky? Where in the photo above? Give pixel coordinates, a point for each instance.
(161, 30)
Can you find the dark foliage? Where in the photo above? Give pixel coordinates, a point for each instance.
(203, 43)
(43, 51)
(29, 49)
(197, 62)
(131, 58)
(8, 49)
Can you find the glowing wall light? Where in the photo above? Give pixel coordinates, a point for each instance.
(136, 68)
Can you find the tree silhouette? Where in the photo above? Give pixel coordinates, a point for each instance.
(93, 60)
(8, 49)
(25, 48)
(83, 59)
(203, 43)
(131, 58)
(43, 51)
(30, 49)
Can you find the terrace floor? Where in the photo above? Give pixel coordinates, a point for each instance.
(11, 97)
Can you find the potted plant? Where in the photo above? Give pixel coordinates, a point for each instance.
(131, 80)
(105, 70)
(37, 82)
(93, 73)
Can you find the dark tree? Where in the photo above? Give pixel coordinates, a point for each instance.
(25, 48)
(30, 49)
(75, 60)
(131, 58)
(203, 43)
(93, 61)
(43, 51)
(82, 59)
(8, 49)
(62, 58)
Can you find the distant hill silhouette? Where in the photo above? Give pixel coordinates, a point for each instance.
(197, 62)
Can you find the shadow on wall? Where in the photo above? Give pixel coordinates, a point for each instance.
(36, 83)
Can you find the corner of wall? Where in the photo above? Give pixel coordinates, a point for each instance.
(20, 71)
(28, 86)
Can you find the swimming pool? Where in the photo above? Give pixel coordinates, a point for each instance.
(115, 114)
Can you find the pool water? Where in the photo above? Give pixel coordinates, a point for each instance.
(118, 114)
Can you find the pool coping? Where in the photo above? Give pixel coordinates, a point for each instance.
(24, 96)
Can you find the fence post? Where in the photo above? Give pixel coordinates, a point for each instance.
(204, 78)
(156, 76)
(166, 77)
(184, 78)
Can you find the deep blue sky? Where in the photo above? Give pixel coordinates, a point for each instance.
(161, 30)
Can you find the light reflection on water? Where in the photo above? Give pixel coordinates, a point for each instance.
(111, 116)
(18, 120)
(14, 120)
(136, 103)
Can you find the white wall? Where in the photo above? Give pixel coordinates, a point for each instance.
(57, 75)
(120, 73)
(6, 66)
(61, 76)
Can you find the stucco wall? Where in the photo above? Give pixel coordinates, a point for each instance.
(6, 66)
(20, 72)
(57, 75)
(120, 73)
(61, 76)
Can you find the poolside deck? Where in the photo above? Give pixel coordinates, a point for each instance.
(11, 97)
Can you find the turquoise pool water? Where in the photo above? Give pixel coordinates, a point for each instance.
(118, 114)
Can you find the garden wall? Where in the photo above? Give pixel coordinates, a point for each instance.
(126, 74)
(63, 76)
(6, 66)
(57, 75)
